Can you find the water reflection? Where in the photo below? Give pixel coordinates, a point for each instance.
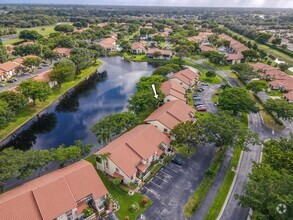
(78, 110)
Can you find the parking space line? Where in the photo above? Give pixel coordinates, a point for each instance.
(175, 165)
(171, 169)
(161, 179)
(166, 173)
(156, 184)
(152, 191)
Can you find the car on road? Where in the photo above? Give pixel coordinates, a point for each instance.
(201, 109)
(200, 90)
(205, 84)
(177, 160)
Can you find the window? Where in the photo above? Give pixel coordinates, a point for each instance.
(107, 165)
(165, 130)
(117, 170)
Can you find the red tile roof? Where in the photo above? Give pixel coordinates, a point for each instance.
(62, 50)
(139, 45)
(130, 148)
(237, 56)
(21, 59)
(142, 167)
(174, 89)
(185, 76)
(205, 48)
(163, 52)
(261, 66)
(172, 113)
(8, 66)
(53, 194)
(289, 96)
(45, 76)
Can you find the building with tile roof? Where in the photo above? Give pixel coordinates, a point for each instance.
(132, 153)
(172, 113)
(61, 194)
(187, 78)
(173, 91)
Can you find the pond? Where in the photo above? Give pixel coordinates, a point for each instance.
(71, 117)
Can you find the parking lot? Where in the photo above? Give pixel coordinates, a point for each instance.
(171, 187)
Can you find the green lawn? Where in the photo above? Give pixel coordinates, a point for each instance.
(224, 189)
(185, 150)
(218, 66)
(30, 111)
(213, 80)
(275, 93)
(124, 200)
(198, 196)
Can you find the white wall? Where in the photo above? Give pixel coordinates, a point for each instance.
(159, 125)
(169, 98)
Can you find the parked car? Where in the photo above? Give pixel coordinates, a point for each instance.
(200, 90)
(45, 64)
(14, 79)
(2, 85)
(40, 67)
(177, 160)
(195, 95)
(197, 98)
(10, 81)
(197, 104)
(205, 84)
(202, 109)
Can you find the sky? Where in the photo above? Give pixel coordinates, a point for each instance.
(190, 3)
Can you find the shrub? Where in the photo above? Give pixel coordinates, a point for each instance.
(126, 218)
(144, 201)
(116, 181)
(88, 212)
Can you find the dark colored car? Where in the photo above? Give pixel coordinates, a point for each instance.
(200, 90)
(201, 109)
(197, 98)
(197, 104)
(177, 161)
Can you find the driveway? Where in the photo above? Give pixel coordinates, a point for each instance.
(24, 77)
(173, 185)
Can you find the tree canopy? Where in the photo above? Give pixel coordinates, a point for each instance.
(35, 90)
(257, 85)
(62, 74)
(280, 108)
(30, 35)
(236, 100)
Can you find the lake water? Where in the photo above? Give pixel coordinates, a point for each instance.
(71, 117)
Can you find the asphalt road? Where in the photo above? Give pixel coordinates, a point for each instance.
(173, 185)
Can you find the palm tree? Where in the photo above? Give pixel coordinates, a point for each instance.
(104, 157)
(103, 136)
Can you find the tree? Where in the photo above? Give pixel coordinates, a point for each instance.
(62, 74)
(280, 108)
(23, 50)
(64, 62)
(277, 41)
(50, 55)
(82, 58)
(163, 70)
(250, 55)
(115, 124)
(186, 133)
(225, 130)
(104, 157)
(15, 101)
(66, 28)
(211, 74)
(66, 154)
(30, 35)
(265, 189)
(283, 66)
(157, 54)
(31, 62)
(215, 57)
(236, 100)
(244, 71)
(257, 85)
(6, 115)
(11, 161)
(34, 90)
(263, 37)
(3, 54)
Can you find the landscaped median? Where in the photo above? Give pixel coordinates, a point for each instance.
(124, 199)
(30, 111)
(198, 196)
(225, 187)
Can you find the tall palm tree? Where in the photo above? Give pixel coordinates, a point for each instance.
(104, 157)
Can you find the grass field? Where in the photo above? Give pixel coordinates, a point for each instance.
(224, 189)
(30, 111)
(213, 80)
(124, 200)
